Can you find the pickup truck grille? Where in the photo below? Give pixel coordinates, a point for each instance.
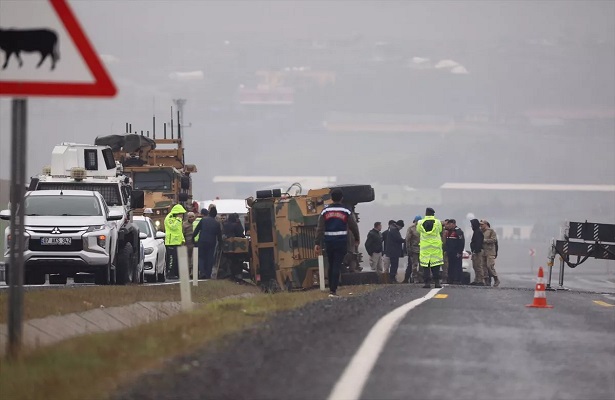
(35, 245)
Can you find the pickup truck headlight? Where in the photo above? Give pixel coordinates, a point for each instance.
(101, 240)
(149, 250)
(94, 228)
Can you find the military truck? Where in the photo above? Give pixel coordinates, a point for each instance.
(93, 168)
(160, 172)
(282, 231)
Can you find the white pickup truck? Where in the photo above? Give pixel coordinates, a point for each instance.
(68, 232)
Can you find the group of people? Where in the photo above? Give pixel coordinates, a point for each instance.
(435, 250)
(205, 232)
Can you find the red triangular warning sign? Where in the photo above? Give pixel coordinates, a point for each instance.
(46, 53)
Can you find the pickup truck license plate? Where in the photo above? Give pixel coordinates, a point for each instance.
(56, 241)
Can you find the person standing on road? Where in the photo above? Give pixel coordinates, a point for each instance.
(444, 274)
(490, 252)
(209, 233)
(373, 246)
(476, 246)
(394, 249)
(412, 245)
(188, 229)
(430, 256)
(334, 223)
(386, 262)
(174, 237)
(455, 244)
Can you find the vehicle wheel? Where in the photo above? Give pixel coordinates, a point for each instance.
(101, 277)
(465, 279)
(57, 279)
(124, 270)
(357, 193)
(163, 276)
(35, 278)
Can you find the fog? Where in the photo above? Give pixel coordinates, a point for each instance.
(404, 95)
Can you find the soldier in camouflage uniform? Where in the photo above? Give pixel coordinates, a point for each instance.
(412, 244)
(489, 253)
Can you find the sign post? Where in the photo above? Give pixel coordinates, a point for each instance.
(46, 54)
(16, 277)
(532, 254)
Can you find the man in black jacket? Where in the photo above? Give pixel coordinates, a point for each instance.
(455, 244)
(373, 246)
(386, 263)
(209, 232)
(476, 246)
(393, 250)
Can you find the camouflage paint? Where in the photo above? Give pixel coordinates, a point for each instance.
(294, 221)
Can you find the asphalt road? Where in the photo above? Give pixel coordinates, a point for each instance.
(470, 343)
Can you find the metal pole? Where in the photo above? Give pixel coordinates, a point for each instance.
(561, 275)
(16, 267)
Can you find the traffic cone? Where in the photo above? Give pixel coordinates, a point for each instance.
(540, 295)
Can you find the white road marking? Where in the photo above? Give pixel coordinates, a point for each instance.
(353, 379)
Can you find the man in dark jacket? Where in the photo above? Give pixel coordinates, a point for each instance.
(373, 246)
(210, 234)
(333, 225)
(455, 244)
(386, 263)
(393, 250)
(476, 246)
(231, 264)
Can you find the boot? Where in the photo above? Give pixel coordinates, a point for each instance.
(437, 284)
(426, 285)
(497, 282)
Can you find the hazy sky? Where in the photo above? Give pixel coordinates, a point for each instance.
(148, 39)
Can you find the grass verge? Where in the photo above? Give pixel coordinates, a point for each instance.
(44, 303)
(93, 366)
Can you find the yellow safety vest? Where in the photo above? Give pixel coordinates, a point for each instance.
(430, 254)
(194, 224)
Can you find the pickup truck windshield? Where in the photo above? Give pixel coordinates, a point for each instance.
(62, 206)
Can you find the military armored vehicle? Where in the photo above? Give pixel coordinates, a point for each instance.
(282, 231)
(160, 172)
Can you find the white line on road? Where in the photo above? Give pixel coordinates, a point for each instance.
(351, 383)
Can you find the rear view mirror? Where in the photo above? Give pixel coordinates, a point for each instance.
(142, 235)
(115, 216)
(137, 199)
(160, 235)
(5, 215)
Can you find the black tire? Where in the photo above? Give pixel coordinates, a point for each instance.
(34, 278)
(465, 278)
(101, 277)
(354, 194)
(57, 279)
(163, 276)
(124, 269)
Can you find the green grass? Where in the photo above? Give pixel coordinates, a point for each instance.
(47, 302)
(93, 366)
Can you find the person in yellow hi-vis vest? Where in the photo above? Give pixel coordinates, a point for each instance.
(431, 257)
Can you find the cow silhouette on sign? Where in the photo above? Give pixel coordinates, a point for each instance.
(44, 41)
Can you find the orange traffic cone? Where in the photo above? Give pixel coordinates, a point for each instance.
(540, 295)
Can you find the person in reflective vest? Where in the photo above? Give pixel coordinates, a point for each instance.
(430, 254)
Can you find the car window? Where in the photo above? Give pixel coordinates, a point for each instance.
(144, 227)
(62, 206)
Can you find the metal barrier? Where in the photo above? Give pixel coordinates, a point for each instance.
(584, 240)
